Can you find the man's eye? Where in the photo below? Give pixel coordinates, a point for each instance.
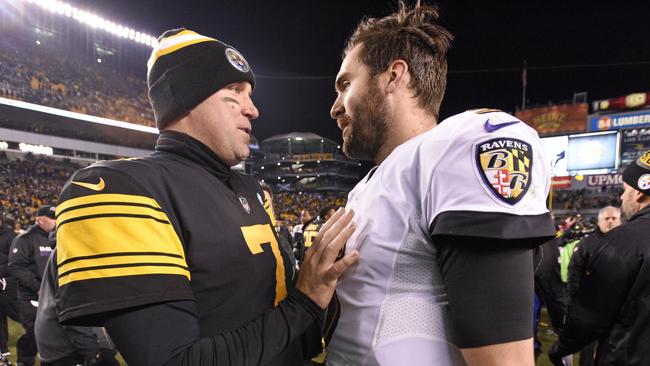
(235, 88)
(345, 85)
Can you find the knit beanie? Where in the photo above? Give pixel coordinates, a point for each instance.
(637, 174)
(185, 68)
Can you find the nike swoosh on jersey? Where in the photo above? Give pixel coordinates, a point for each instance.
(491, 128)
(95, 187)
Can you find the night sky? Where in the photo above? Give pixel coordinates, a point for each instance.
(295, 49)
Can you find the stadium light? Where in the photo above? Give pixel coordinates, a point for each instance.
(262, 167)
(278, 164)
(99, 60)
(36, 149)
(94, 21)
(38, 42)
(4, 145)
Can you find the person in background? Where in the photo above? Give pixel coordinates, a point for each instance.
(608, 218)
(8, 285)
(27, 259)
(611, 303)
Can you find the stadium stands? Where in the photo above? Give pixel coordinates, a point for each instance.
(587, 198)
(44, 75)
(30, 182)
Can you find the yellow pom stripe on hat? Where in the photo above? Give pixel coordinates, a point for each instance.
(174, 43)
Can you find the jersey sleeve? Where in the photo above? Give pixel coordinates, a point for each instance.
(485, 175)
(117, 248)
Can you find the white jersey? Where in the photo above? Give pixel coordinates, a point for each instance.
(480, 173)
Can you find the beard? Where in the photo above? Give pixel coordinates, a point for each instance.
(626, 211)
(367, 128)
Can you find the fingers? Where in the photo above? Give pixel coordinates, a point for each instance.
(337, 215)
(332, 248)
(329, 232)
(342, 265)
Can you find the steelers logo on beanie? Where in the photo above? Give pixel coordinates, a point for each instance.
(637, 174)
(185, 68)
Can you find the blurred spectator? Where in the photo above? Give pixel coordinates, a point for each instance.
(8, 302)
(586, 198)
(27, 258)
(608, 219)
(28, 183)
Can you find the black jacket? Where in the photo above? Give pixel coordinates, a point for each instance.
(8, 285)
(548, 284)
(612, 304)
(27, 260)
(581, 256)
(54, 340)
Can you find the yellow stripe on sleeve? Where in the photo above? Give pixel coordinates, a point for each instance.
(104, 198)
(129, 233)
(120, 272)
(110, 209)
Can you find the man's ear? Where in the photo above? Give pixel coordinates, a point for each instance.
(641, 198)
(398, 75)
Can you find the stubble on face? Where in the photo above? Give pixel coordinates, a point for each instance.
(628, 207)
(368, 124)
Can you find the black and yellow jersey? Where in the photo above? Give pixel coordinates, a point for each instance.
(170, 226)
(310, 232)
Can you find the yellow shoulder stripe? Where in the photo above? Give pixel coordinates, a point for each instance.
(104, 198)
(117, 240)
(120, 272)
(110, 209)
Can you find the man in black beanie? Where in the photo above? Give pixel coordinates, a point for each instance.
(612, 303)
(27, 259)
(174, 253)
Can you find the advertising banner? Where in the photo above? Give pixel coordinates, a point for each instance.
(563, 118)
(633, 143)
(618, 121)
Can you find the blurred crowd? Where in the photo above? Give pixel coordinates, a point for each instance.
(288, 205)
(41, 76)
(33, 181)
(29, 183)
(587, 198)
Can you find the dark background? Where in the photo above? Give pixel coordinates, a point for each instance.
(295, 49)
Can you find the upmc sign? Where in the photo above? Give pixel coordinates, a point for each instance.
(605, 180)
(619, 120)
